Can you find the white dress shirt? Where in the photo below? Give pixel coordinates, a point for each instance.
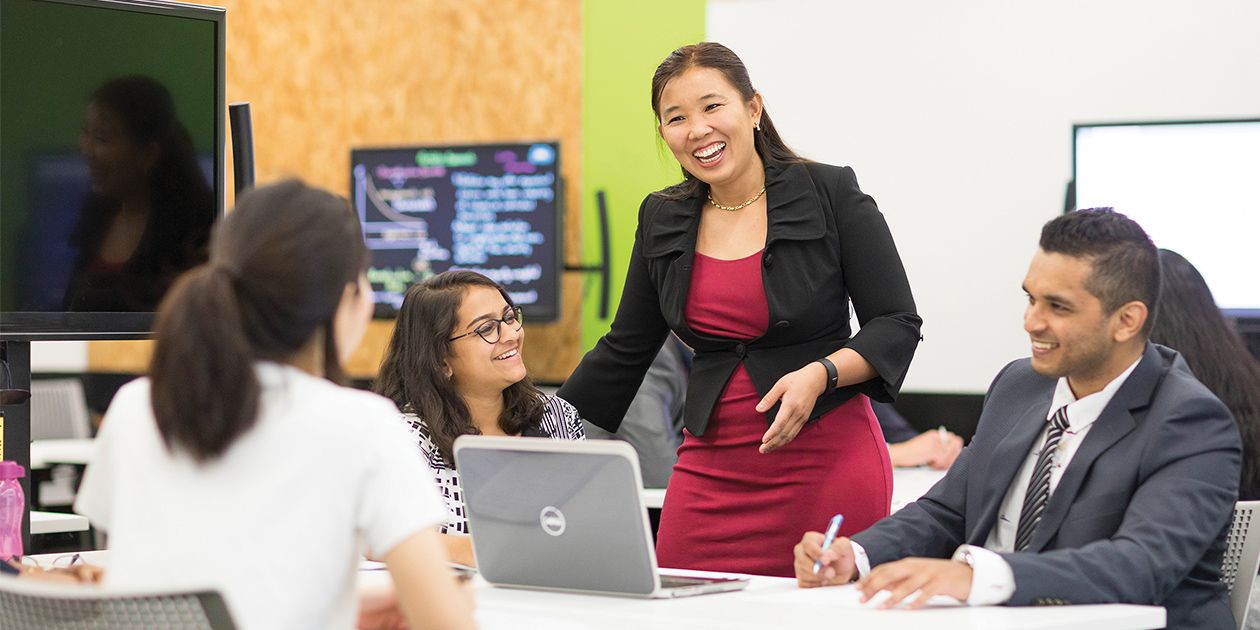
(992, 581)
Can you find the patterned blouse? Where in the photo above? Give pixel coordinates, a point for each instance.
(560, 421)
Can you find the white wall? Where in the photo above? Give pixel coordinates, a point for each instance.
(957, 117)
(59, 356)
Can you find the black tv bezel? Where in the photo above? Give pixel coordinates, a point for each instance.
(1249, 316)
(88, 326)
(532, 315)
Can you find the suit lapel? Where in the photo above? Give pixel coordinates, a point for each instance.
(1007, 458)
(1112, 424)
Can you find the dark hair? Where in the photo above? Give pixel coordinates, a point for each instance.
(182, 203)
(1125, 266)
(413, 372)
(769, 145)
(1190, 323)
(279, 266)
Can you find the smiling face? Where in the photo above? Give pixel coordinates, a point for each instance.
(1072, 336)
(709, 128)
(477, 367)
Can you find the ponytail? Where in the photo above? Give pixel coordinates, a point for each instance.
(279, 266)
(204, 390)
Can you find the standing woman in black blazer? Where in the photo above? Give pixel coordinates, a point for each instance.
(752, 260)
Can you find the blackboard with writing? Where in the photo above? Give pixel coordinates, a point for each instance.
(485, 208)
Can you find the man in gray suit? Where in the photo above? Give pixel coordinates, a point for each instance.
(1101, 470)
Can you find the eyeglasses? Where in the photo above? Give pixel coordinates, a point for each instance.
(491, 330)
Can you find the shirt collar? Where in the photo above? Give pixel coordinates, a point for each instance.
(1083, 412)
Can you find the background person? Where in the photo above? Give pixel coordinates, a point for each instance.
(1190, 323)
(149, 213)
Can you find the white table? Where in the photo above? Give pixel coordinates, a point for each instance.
(911, 483)
(908, 485)
(47, 453)
(57, 523)
(768, 602)
(775, 603)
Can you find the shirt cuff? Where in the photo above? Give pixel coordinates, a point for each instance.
(860, 559)
(992, 581)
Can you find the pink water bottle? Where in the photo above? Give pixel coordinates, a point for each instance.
(12, 509)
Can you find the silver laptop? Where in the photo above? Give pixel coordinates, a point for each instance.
(565, 515)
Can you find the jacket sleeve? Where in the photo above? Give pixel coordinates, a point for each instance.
(605, 382)
(876, 282)
(935, 525)
(931, 527)
(1188, 484)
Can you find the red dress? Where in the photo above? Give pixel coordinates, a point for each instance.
(730, 508)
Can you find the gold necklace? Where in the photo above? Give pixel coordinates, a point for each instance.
(740, 206)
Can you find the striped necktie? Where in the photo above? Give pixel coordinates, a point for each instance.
(1039, 485)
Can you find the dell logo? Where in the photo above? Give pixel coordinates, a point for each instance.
(552, 521)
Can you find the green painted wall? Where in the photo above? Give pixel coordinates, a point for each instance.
(623, 42)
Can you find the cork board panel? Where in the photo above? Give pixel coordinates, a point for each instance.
(323, 76)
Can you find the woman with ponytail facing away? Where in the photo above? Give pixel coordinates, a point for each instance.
(242, 464)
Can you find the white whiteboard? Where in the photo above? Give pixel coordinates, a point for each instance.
(957, 117)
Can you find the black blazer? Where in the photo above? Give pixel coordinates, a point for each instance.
(825, 242)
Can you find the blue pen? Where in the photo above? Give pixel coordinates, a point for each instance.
(832, 528)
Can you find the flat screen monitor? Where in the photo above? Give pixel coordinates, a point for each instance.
(111, 160)
(489, 208)
(1192, 185)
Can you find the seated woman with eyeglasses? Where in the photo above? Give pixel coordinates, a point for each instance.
(454, 367)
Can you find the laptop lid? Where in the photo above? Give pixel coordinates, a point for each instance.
(557, 514)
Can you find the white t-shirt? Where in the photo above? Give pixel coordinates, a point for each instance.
(278, 523)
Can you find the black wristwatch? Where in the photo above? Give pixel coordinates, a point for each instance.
(833, 377)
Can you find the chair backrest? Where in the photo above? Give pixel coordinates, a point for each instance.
(33, 605)
(1242, 557)
(59, 409)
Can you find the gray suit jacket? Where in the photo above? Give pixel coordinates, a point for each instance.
(1139, 516)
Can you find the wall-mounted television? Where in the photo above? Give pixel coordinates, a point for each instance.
(111, 160)
(1192, 185)
(490, 208)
